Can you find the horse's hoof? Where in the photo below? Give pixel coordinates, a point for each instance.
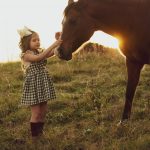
(119, 123)
(122, 122)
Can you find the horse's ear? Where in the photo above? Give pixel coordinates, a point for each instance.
(70, 2)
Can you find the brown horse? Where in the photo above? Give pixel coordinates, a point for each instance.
(127, 19)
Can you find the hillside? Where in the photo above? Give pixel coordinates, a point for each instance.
(90, 100)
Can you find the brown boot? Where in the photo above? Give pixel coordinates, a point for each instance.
(34, 131)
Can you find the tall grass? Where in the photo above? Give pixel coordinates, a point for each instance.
(90, 99)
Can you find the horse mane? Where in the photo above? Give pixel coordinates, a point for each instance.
(123, 1)
(78, 5)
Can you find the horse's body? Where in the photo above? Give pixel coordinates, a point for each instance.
(129, 20)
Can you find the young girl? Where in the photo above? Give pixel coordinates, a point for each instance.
(38, 87)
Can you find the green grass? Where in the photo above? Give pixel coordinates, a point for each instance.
(90, 99)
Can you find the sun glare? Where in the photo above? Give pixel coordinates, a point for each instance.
(105, 40)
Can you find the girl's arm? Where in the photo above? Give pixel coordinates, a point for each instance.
(34, 58)
(51, 53)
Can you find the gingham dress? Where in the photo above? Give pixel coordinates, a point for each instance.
(38, 86)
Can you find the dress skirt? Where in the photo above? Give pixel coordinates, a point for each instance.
(38, 86)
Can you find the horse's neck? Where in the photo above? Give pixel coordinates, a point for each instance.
(112, 18)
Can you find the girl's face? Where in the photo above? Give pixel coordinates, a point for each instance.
(35, 42)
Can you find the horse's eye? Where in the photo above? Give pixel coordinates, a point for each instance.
(72, 22)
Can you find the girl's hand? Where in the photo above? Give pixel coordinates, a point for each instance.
(57, 43)
(57, 35)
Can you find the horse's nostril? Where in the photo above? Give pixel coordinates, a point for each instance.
(59, 50)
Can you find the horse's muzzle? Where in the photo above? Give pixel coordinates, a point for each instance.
(63, 55)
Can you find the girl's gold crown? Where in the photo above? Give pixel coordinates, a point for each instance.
(24, 32)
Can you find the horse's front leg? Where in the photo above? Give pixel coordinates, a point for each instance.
(133, 70)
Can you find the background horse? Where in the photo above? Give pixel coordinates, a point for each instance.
(128, 20)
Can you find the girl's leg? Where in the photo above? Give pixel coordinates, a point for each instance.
(36, 113)
(43, 107)
(35, 119)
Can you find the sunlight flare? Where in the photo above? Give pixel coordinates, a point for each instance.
(105, 40)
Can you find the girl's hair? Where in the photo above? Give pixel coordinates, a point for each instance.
(24, 43)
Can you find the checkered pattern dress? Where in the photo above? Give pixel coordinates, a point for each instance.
(38, 86)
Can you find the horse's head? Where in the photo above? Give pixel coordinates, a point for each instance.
(76, 29)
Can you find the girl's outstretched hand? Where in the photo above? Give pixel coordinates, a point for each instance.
(58, 35)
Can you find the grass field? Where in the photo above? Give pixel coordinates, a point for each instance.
(90, 100)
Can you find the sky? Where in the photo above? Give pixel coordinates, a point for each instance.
(42, 16)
